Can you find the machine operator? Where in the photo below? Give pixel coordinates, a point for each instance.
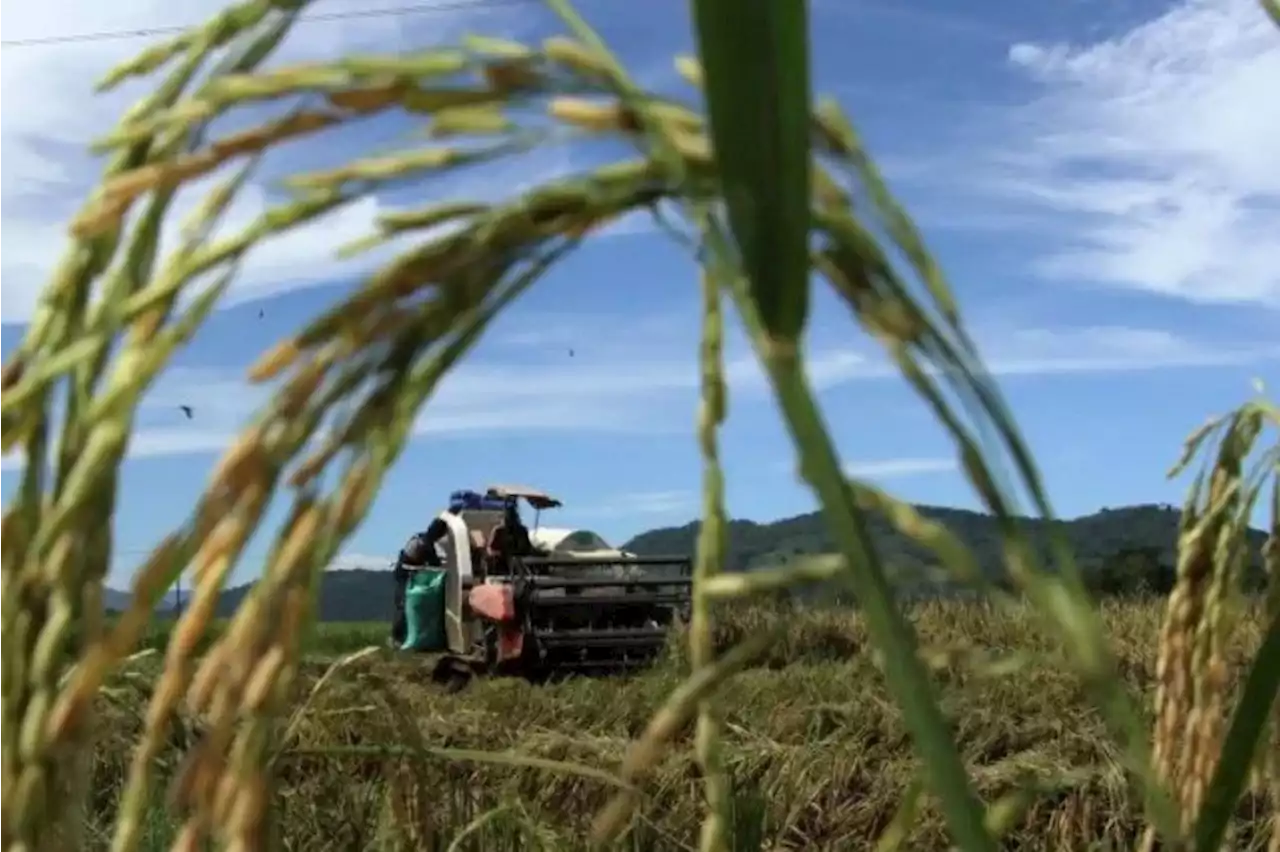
(509, 538)
(418, 552)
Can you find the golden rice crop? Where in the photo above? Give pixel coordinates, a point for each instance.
(814, 750)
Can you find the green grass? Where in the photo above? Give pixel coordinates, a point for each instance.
(326, 640)
(817, 753)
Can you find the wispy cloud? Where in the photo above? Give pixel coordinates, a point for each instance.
(641, 390)
(52, 114)
(359, 562)
(1152, 153)
(899, 468)
(646, 503)
(1110, 349)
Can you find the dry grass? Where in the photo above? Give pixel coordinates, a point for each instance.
(816, 752)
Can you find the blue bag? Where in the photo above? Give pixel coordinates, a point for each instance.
(474, 500)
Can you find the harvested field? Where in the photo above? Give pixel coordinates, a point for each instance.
(817, 752)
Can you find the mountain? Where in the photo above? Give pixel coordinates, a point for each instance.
(115, 600)
(1102, 543)
(347, 594)
(356, 588)
(1092, 538)
(364, 593)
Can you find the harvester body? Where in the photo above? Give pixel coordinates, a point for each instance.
(554, 608)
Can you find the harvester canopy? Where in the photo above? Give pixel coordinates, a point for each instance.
(537, 499)
(580, 542)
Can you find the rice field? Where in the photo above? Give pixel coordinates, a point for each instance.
(323, 642)
(254, 740)
(816, 750)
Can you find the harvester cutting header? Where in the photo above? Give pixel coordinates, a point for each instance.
(495, 597)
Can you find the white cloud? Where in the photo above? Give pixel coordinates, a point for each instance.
(1109, 349)
(359, 562)
(892, 468)
(1010, 352)
(899, 467)
(1155, 150)
(647, 386)
(51, 114)
(643, 503)
(622, 391)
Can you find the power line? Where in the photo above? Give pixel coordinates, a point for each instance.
(323, 18)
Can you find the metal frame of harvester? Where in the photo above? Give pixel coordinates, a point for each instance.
(541, 615)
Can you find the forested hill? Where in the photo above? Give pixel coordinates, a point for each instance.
(1097, 540)
(1094, 539)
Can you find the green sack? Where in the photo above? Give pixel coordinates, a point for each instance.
(424, 611)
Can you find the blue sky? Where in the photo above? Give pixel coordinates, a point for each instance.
(1097, 179)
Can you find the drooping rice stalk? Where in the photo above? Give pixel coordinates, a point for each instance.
(1193, 688)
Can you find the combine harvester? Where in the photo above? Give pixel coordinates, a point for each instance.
(547, 602)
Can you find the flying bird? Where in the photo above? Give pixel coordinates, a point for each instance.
(187, 410)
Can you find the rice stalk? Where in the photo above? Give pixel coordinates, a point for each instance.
(712, 541)
(1269, 757)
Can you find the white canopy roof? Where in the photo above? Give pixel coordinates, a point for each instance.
(566, 540)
